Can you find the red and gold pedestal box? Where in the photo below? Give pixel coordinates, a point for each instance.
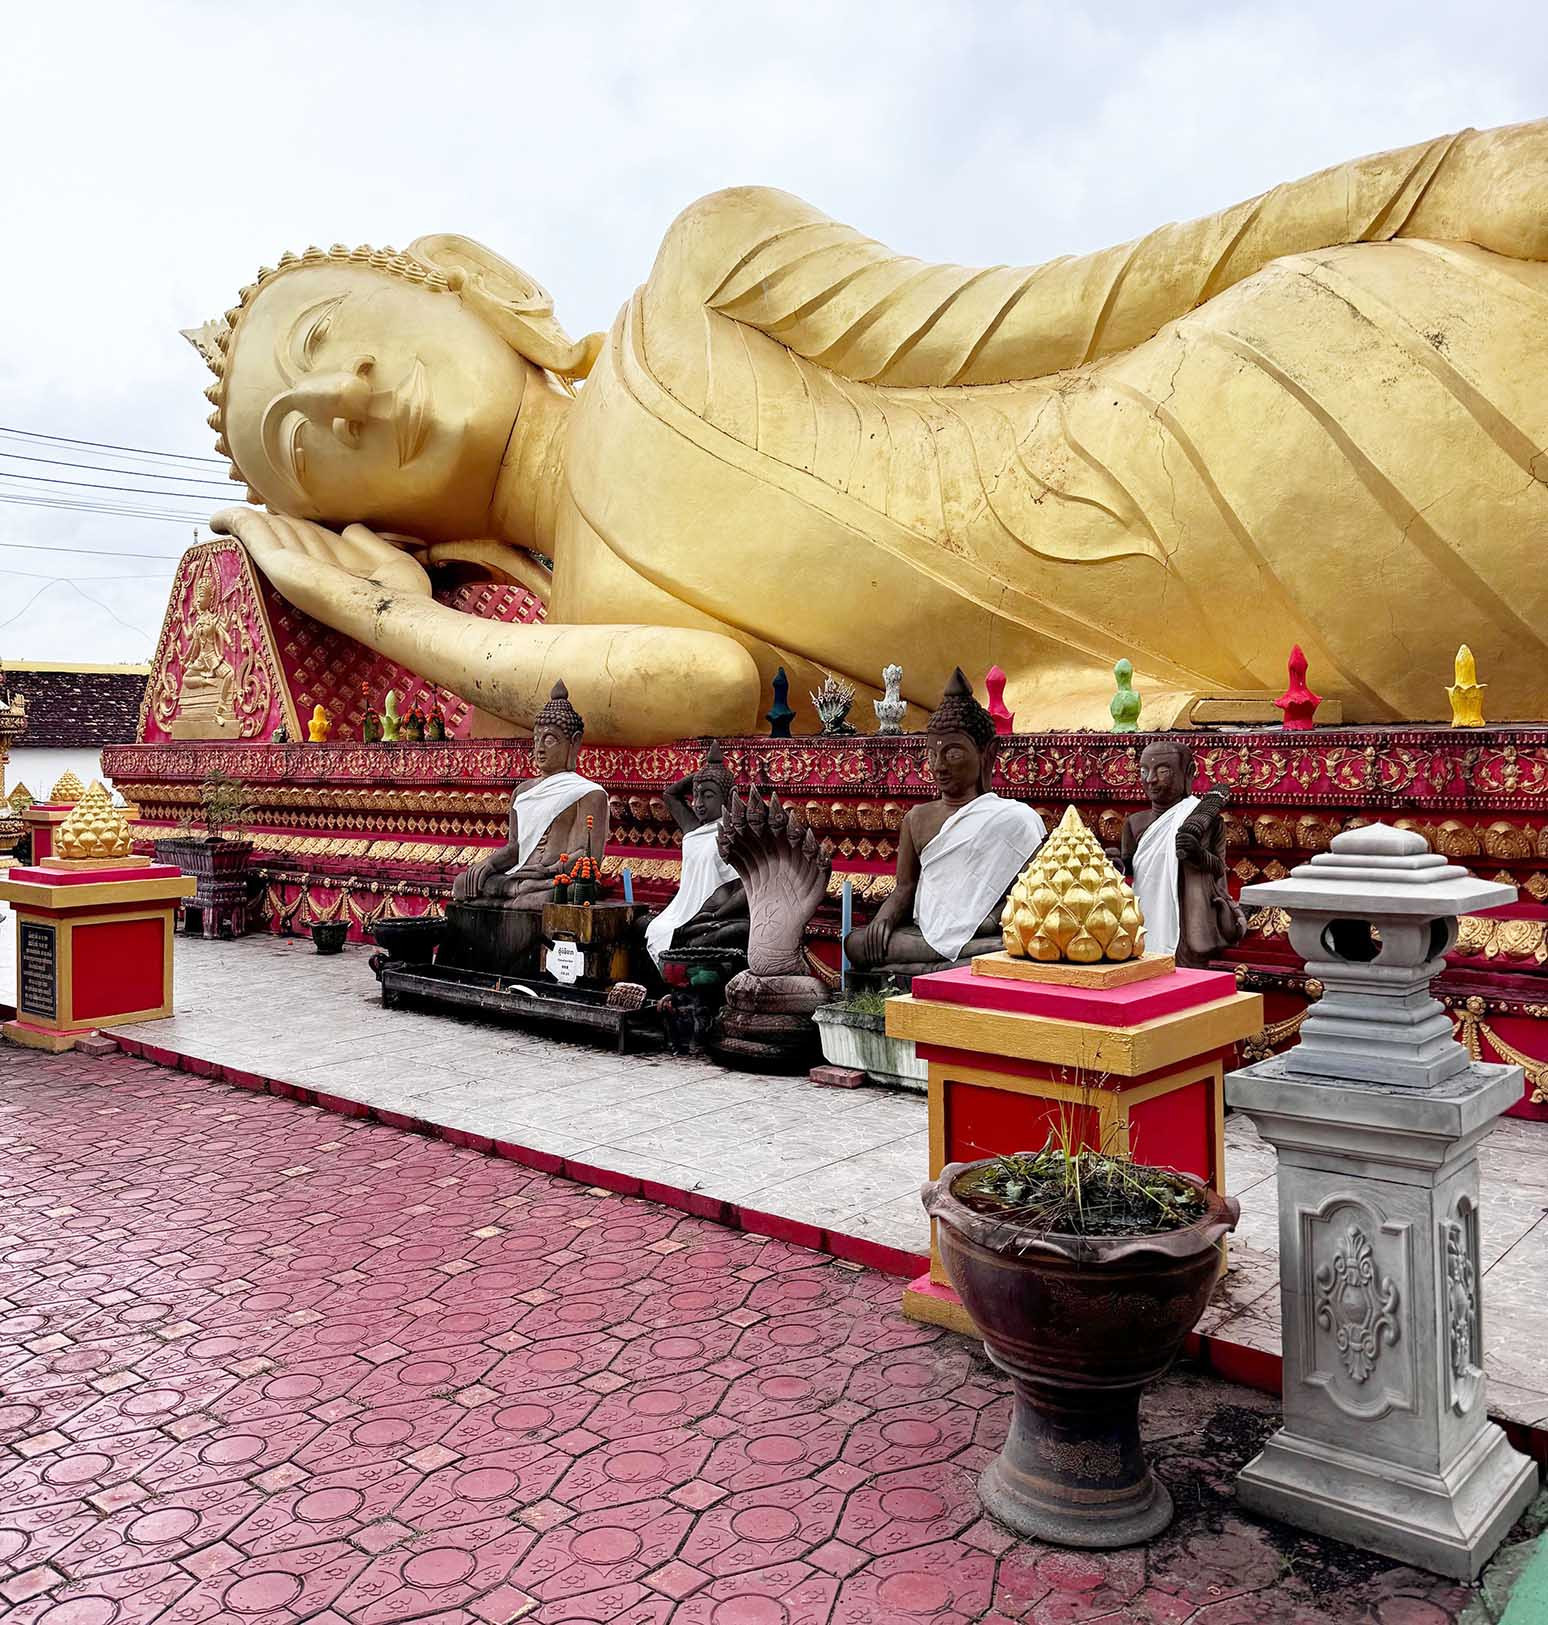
(93, 949)
(1136, 1070)
(43, 819)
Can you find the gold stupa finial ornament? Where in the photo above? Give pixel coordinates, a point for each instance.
(67, 790)
(1466, 692)
(21, 798)
(1070, 903)
(94, 829)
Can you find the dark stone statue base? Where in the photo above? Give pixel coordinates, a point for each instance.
(767, 1024)
(486, 934)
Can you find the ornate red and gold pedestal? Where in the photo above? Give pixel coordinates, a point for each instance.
(42, 820)
(93, 949)
(1136, 1070)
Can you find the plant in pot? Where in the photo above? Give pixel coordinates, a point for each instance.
(220, 862)
(854, 1035)
(1083, 1274)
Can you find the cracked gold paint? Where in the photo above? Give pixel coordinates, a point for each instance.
(1317, 417)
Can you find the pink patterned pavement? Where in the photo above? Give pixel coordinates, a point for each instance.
(260, 1363)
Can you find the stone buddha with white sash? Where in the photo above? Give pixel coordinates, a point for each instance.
(958, 856)
(548, 816)
(710, 908)
(1174, 855)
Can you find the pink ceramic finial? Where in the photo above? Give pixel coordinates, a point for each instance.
(994, 683)
(1298, 702)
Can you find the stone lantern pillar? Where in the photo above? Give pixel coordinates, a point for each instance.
(1376, 1115)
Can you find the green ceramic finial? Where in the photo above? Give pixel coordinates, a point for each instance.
(1124, 706)
(391, 721)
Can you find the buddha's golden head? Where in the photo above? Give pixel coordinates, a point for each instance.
(382, 387)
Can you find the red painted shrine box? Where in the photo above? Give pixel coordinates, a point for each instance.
(93, 949)
(1137, 1069)
(43, 819)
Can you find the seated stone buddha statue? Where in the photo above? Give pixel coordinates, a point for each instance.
(958, 856)
(709, 909)
(1047, 462)
(548, 817)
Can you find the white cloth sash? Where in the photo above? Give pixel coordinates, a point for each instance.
(965, 870)
(704, 873)
(539, 802)
(1155, 878)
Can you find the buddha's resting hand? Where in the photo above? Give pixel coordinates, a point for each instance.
(869, 945)
(303, 560)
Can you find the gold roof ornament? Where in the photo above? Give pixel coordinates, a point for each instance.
(67, 790)
(94, 829)
(1070, 903)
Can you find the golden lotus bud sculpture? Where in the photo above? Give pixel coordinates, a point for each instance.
(94, 829)
(1070, 903)
(67, 791)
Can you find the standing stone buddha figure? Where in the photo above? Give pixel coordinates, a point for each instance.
(958, 856)
(548, 816)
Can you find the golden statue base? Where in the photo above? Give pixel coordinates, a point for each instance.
(1064, 974)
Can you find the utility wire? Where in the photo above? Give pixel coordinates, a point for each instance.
(119, 510)
(36, 575)
(98, 468)
(94, 552)
(97, 485)
(108, 445)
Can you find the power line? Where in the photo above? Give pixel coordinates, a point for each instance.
(97, 468)
(108, 445)
(96, 485)
(93, 552)
(123, 510)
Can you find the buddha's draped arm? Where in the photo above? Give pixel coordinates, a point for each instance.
(857, 308)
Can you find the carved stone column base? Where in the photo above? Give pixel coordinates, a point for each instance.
(1449, 1524)
(1386, 1442)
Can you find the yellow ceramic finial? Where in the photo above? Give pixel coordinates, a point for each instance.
(94, 829)
(1071, 903)
(320, 726)
(1466, 692)
(67, 791)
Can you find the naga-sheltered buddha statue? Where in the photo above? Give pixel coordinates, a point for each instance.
(1316, 417)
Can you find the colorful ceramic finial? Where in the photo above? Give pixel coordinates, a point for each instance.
(1466, 692)
(1298, 703)
(1124, 707)
(392, 723)
(779, 715)
(994, 686)
(321, 725)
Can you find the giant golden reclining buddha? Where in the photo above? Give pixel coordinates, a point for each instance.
(1318, 417)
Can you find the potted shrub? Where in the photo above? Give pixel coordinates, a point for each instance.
(218, 861)
(1083, 1274)
(854, 1034)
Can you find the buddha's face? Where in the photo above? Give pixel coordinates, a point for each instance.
(1163, 771)
(958, 765)
(553, 751)
(356, 396)
(708, 802)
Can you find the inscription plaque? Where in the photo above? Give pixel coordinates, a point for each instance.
(37, 971)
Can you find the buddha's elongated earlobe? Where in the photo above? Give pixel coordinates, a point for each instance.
(510, 302)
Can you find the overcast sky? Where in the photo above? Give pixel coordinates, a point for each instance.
(157, 154)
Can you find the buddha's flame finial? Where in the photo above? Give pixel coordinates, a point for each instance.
(1070, 903)
(1466, 692)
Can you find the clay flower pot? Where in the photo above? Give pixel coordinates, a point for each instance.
(1080, 1324)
